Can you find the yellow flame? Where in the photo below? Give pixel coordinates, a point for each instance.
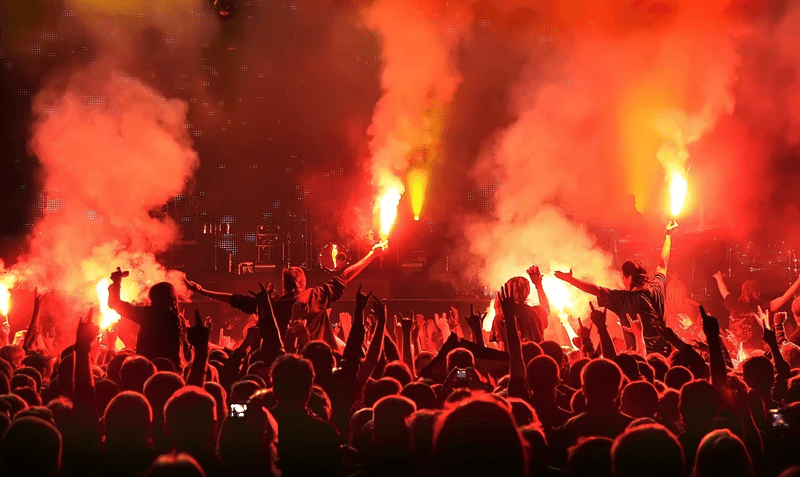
(490, 314)
(108, 317)
(6, 283)
(558, 294)
(417, 184)
(677, 192)
(388, 210)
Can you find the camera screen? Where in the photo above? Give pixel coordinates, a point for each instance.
(461, 374)
(777, 418)
(238, 410)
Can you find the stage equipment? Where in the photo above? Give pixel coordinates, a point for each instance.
(334, 257)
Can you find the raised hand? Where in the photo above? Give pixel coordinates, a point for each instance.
(380, 247)
(193, 286)
(362, 299)
(710, 325)
(406, 324)
(566, 276)
(87, 332)
(197, 335)
(379, 308)
(598, 317)
(535, 274)
(671, 226)
(769, 334)
(636, 327)
(718, 276)
(779, 318)
(253, 336)
(507, 303)
(118, 275)
(453, 316)
(475, 320)
(584, 333)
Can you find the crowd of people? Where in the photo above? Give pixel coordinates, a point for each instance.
(383, 394)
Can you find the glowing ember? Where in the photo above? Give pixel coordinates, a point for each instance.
(677, 192)
(108, 317)
(388, 210)
(417, 183)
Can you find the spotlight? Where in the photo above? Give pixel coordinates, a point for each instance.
(224, 8)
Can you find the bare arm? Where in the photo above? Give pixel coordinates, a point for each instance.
(721, 286)
(353, 270)
(581, 285)
(777, 303)
(375, 346)
(536, 278)
(33, 327)
(197, 336)
(606, 343)
(662, 264)
(224, 297)
(516, 364)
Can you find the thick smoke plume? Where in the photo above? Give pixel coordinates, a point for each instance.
(113, 151)
(419, 43)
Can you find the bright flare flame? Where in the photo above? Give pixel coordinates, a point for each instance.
(388, 210)
(417, 181)
(677, 192)
(558, 294)
(490, 314)
(108, 317)
(6, 283)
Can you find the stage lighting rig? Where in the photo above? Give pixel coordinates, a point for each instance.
(225, 9)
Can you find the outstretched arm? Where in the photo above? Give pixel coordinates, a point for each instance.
(777, 303)
(224, 297)
(536, 278)
(721, 286)
(581, 285)
(662, 264)
(197, 336)
(353, 270)
(516, 371)
(606, 343)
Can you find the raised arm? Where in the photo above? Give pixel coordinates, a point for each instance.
(475, 323)
(662, 264)
(115, 302)
(721, 286)
(606, 343)
(777, 303)
(375, 346)
(224, 297)
(408, 357)
(33, 327)
(83, 382)
(637, 330)
(719, 373)
(197, 336)
(536, 279)
(581, 285)
(353, 270)
(516, 371)
(271, 344)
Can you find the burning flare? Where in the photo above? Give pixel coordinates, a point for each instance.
(677, 192)
(417, 183)
(387, 209)
(108, 317)
(6, 284)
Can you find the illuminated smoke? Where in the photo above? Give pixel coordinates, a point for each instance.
(419, 78)
(112, 151)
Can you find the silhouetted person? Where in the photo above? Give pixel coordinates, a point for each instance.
(128, 444)
(299, 431)
(722, 453)
(479, 437)
(30, 446)
(315, 300)
(161, 326)
(641, 296)
(647, 450)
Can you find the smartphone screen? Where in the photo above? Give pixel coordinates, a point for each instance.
(461, 373)
(777, 418)
(238, 410)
